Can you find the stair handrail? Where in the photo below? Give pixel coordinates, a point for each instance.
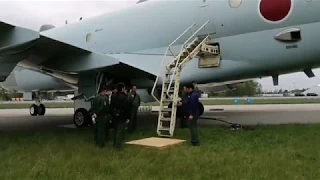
(164, 57)
(184, 47)
(205, 39)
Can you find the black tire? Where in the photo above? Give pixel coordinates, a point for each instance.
(81, 118)
(33, 110)
(41, 110)
(201, 109)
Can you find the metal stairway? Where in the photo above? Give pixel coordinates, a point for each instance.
(171, 77)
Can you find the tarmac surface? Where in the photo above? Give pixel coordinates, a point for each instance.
(20, 120)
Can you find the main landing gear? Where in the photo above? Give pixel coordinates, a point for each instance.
(82, 118)
(37, 109)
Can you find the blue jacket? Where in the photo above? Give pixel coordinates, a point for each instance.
(193, 103)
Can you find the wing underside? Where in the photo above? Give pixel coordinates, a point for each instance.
(15, 42)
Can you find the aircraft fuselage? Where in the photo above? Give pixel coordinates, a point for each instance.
(245, 32)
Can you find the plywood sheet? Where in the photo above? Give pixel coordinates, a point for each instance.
(155, 142)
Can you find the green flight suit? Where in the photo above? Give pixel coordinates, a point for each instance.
(134, 102)
(100, 107)
(109, 117)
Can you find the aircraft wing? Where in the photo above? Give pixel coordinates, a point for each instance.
(37, 50)
(15, 42)
(58, 56)
(5, 25)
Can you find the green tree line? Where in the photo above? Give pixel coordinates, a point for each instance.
(248, 88)
(8, 95)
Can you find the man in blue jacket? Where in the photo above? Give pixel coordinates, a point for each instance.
(193, 113)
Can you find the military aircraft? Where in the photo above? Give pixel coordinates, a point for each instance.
(209, 41)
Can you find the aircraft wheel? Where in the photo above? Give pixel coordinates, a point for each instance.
(201, 109)
(81, 118)
(33, 110)
(41, 110)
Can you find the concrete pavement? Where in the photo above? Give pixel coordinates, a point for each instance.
(19, 119)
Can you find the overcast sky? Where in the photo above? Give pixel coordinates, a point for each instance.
(33, 14)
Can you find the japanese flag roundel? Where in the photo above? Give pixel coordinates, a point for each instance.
(275, 10)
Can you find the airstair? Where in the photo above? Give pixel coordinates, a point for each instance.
(171, 75)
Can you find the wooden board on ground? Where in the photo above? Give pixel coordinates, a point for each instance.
(158, 143)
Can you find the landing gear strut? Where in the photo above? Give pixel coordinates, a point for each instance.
(37, 109)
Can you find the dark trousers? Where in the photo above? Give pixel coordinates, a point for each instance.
(183, 122)
(119, 130)
(193, 131)
(133, 119)
(108, 126)
(99, 132)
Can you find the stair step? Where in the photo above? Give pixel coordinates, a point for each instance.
(194, 45)
(169, 73)
(164, 129)
(197, 42)
(185, 54)
(166, 110)
(168, 82)
(182, 58)
(166, 119)
(167, 100)
(190, 49)
(172, 65)
(169, 91)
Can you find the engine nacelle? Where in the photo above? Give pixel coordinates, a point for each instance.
(25, 80)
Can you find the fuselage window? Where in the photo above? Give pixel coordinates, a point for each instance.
(235, 3)
(88, 37)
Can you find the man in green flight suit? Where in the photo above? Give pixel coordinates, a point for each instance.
(100, 110)
(109, 118)
(134, 102)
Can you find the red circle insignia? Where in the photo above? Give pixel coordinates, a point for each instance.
(275, 10)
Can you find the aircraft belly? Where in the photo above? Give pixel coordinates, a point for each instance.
(228, 70)
(258, 54)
